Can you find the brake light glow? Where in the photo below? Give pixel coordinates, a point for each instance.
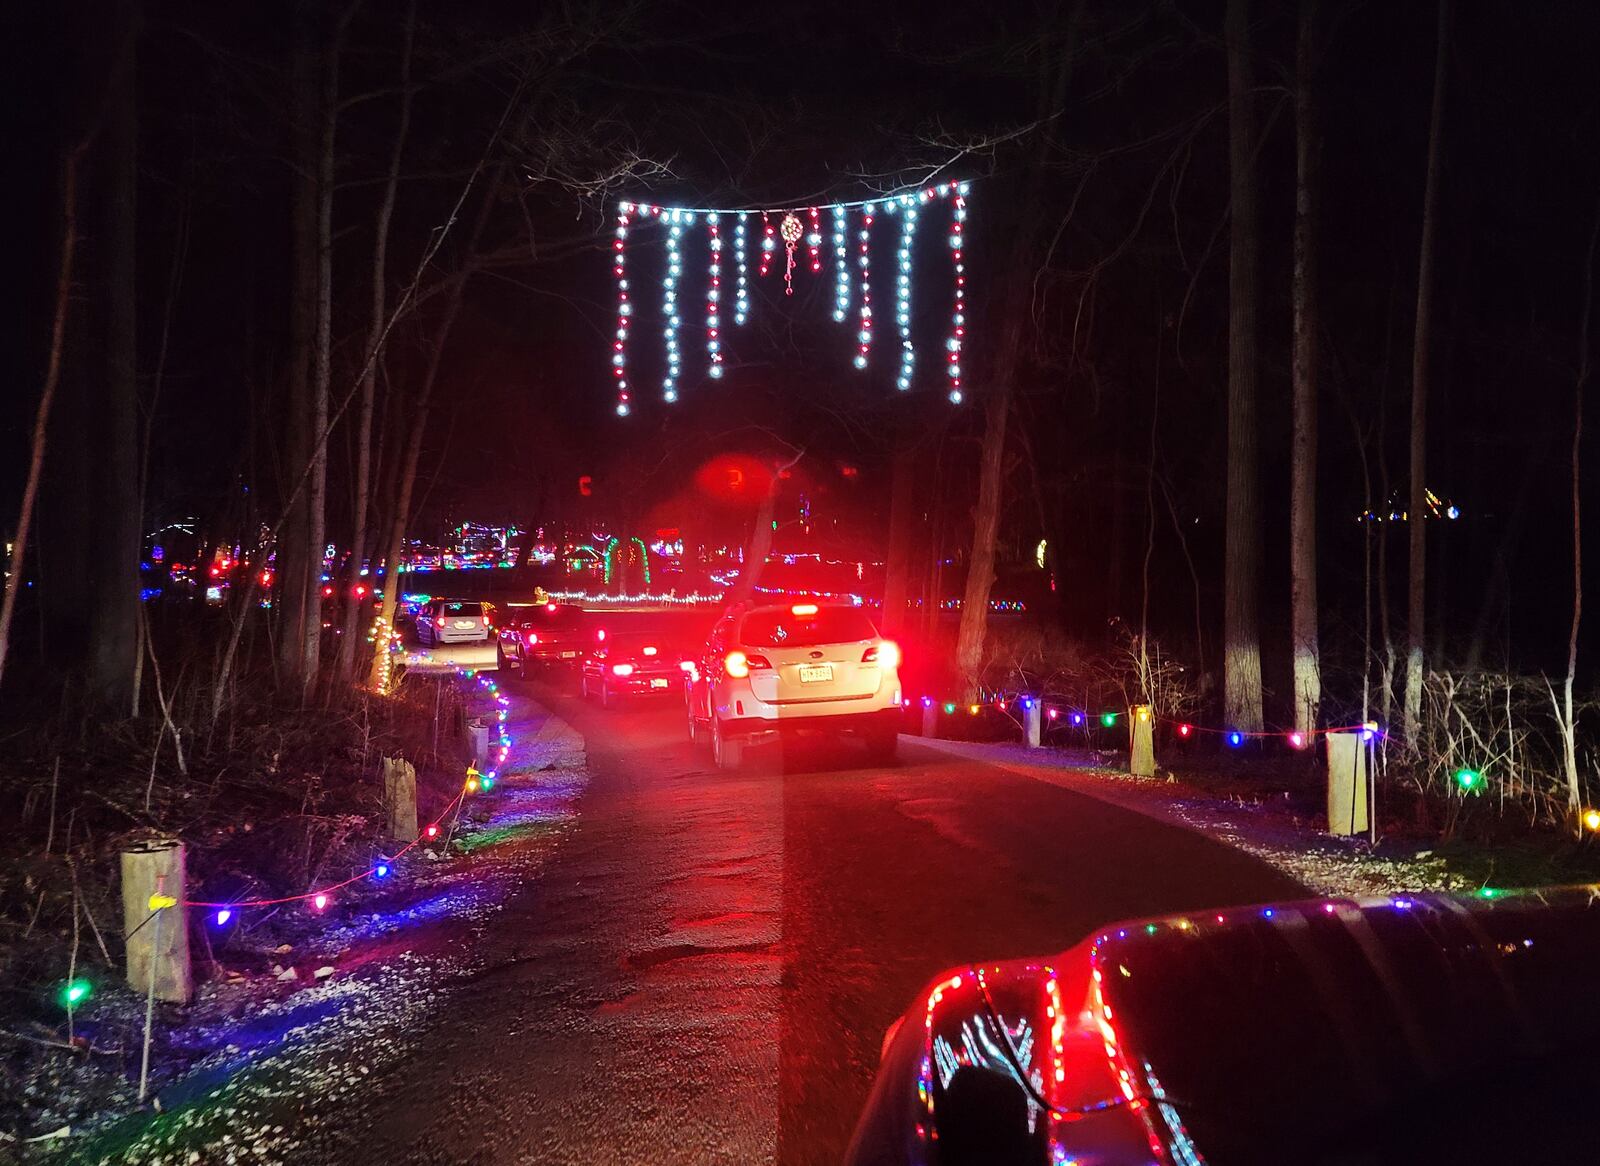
(550, 607)
(739, 665)
(649, 651)
(438, 621)
(622, 669)
(803, 609)
(686, 665)
(885, 654)
(533, 637)
(601, 635)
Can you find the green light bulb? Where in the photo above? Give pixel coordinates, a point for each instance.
(1468, 779)
(1108, 719)
(75, 992)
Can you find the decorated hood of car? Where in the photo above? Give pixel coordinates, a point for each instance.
(1329, 1030)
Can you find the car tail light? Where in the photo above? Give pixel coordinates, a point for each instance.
(649, 651)
(885, 655)
(740, 664)
(533, 637)
(686, 665)
(601, 635)
(439, 621)
(622, 669)
(550, 607)
(803, 609)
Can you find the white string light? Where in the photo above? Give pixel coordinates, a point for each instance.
(864, 336)
(619, 351)
(902, 315)
(841, 264)
(669, 303)
(741, 295)
(714, 298)
(680, 220)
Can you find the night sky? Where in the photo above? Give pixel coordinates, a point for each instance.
(740, 105)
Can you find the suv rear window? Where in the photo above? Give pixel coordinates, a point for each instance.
(461, 610)
(553, 615)
(785, 629)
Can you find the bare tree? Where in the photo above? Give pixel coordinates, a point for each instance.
(52, 380)
(1241, 643)
(1303, 451)
(1568, 716)
(369, 380)
(1421, 364)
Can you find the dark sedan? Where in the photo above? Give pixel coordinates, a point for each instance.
(630, 664)
(540, 635)
(1428, 1028)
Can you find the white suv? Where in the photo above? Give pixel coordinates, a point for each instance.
(774, 669)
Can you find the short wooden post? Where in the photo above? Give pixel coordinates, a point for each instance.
(478, 737)
(158, 957)
(400, 798)
(930, 719)
(1347, 783)
(1141, 745)
(1032, 721)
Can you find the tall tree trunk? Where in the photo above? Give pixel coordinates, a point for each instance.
(354, 607)
(1241, 643)
(1303, 452)
(1569, 726)
(902, 528)
(1416, 506)
(114, 640)
(17, 564)
(298, 573)
(1015, 314)
(759, 545)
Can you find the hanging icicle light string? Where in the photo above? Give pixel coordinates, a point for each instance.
(793, 227)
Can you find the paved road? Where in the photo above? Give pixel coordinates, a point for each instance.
(704, 973)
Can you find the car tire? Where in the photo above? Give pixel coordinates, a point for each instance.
(882, 746)
(695, 736)
(500, 659)
(607, 699)
(728, 753)
(583, 685)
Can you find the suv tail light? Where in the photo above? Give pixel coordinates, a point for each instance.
(533, 637)
(885, 655)
(622, 669)
(438, 621)
(739, 664)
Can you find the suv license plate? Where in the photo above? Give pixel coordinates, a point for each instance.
(465, 624)
(658, 682)
(815, 673)
(569, 655)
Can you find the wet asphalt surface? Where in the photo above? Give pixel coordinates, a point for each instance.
(705, 970)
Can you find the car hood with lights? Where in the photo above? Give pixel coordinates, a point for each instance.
(1394, 1030)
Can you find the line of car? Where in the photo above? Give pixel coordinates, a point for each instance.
(766, 671)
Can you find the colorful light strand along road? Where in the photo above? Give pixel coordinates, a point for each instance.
(800, 224)
(321, 897)
(1082, 718)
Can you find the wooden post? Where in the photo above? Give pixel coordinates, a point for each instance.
(478, 735)
(158, 957)
(1347, 783)
(400, 798)
(1141, 745)
(930, 719)
(1033, 722)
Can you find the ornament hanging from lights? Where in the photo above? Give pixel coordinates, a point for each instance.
(851, 222)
